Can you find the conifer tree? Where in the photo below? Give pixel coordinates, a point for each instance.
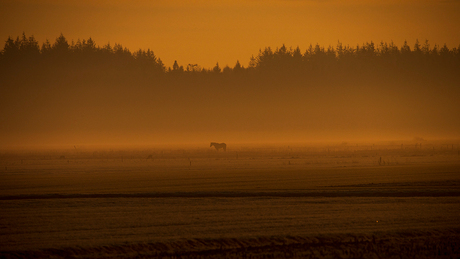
(217, 68)
(61, 45)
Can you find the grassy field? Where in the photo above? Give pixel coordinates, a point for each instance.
(270, 202)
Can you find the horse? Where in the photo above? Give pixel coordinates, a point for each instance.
(219, 145)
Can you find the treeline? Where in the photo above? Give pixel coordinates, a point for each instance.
(26, 51)
(384, 57)
(368, 56)
(87, 93)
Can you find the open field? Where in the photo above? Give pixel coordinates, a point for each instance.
(282, 202)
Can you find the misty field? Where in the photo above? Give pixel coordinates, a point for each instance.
(270, 202)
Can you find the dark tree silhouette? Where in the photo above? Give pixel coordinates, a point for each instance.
(217, 68)
(366, 59)
(61, 45)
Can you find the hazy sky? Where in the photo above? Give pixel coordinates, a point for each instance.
(206, 32)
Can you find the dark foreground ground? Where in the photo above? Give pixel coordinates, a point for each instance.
(413, 244)
(278, 203)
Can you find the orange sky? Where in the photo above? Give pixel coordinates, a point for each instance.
(206, 32)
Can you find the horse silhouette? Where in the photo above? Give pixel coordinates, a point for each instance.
(219, 146)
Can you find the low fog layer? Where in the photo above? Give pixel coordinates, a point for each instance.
(93, 95)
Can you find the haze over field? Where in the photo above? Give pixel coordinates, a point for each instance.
(68, 94)
(229, 129)
(164, 72)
